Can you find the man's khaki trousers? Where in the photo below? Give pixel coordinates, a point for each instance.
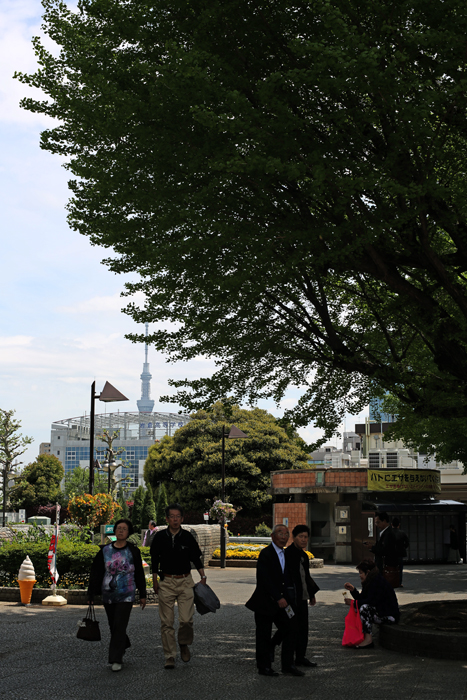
(180, 590)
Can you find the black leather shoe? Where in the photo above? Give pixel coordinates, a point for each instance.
(292, 671)
(305, 662)
(267, 672)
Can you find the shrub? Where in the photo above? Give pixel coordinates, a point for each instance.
(145, 553)
(262, 530)
(41, 533)
(73, 559)
(93, 510)
(135, 539)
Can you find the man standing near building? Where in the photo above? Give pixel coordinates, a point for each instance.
(272, 602)
(385, 549)
(172, 552)
(305, 589)
(149, 534)
(402, 542)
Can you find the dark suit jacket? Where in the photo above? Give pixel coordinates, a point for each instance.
(271, 584)
(402, 542)
(293, 557)
(385, 550)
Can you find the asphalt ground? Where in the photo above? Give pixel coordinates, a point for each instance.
(41, 658)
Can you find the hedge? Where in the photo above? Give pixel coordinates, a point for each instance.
(74, 562)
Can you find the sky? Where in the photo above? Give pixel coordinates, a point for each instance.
(61, 324)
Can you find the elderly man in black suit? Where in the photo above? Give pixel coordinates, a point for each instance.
(272, 602)
(305, 589)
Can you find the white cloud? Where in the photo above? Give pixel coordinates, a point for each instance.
(115, 302)
(15, 341)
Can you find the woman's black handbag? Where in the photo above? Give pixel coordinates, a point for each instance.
(88, 627)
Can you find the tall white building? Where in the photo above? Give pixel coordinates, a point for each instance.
(137, 431)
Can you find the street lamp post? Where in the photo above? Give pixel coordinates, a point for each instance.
(109, 393)
(110, 466)
(234, 433)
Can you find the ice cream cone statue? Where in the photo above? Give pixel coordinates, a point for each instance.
(26, 580)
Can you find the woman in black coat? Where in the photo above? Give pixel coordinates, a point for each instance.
(377, 601)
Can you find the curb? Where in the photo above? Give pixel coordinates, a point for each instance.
(431, 643)
(72, 596)
(251, 563)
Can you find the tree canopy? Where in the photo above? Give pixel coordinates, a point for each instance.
(148, 512)
(288, 180)
(77, 482)
(12, 446)
(161, 504)
(40, 483)
(189, 463)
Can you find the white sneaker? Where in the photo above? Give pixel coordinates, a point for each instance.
(116, 667)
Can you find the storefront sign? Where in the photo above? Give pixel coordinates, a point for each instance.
(427, 480)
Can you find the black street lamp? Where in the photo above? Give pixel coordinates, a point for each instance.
(109, 393)
(110, 466)
(234, 433)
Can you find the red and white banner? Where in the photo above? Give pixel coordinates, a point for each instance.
(51, 556)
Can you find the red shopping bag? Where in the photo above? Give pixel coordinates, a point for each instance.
(353, 633)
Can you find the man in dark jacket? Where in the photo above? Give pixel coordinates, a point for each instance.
(385, 549)
(172, 551)
(305, 589)
(272, 602)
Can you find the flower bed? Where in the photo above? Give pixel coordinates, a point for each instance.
(244, 552)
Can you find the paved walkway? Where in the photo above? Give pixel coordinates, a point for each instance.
(40, 657)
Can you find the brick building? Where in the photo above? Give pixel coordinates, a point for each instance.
(339, 507)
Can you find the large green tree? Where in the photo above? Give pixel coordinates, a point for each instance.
(148, 512)
(189, 462)
(77, 482)
(40, 483)
(137, 510)
(288, 180)
(12, 446)
(161, 503)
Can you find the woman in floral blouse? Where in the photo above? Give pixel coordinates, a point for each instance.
(116, 573)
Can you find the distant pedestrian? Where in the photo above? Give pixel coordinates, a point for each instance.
(385, 548)
(454, 554)
(402, 543)
(149, 534)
